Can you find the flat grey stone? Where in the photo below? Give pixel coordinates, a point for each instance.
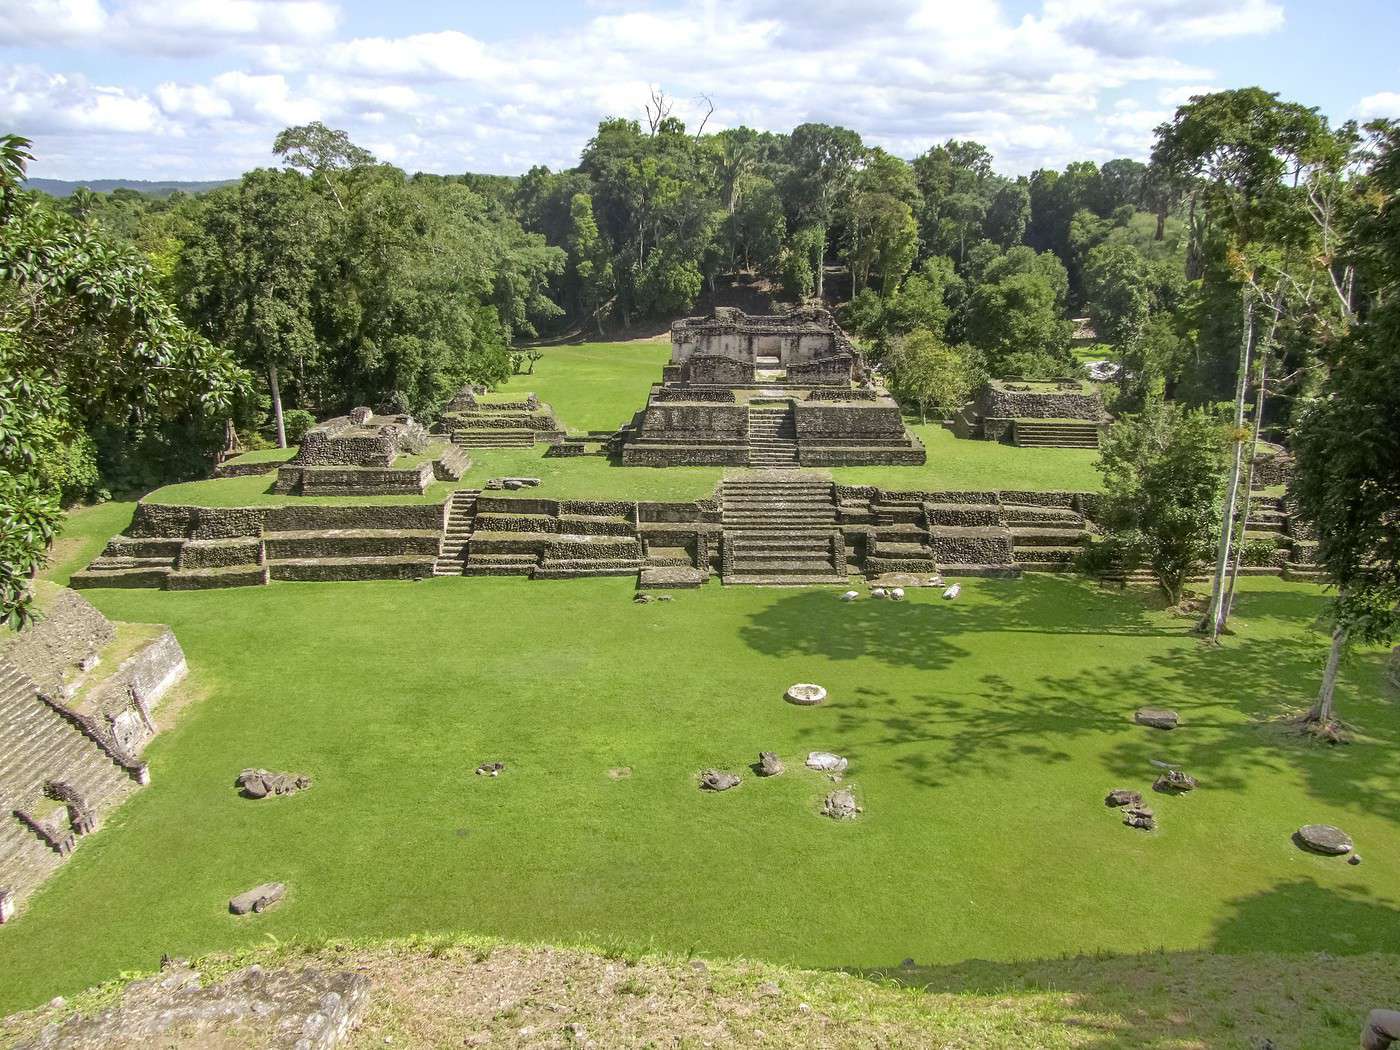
(1156, 717)
(1123, 797)
(260, 783)
(1324, 838)
(258, 899)
(826, 762)
(717, 780)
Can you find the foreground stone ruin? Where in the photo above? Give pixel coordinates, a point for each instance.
(768, 391)
(306, 1009)
(72, 730)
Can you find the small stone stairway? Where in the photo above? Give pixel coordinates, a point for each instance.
(495, 437)
(772, 437)
(1044, 539)
(781, 531)
(1055, 433)
(899, 538)
(461, 509)
(39, 746)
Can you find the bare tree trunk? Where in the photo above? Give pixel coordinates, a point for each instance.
(1227, 525)
(1322, 708)
(277, 405)
(821, 264)
(1265, 345)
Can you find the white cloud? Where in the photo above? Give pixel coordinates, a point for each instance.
(172, 27)
(905, 73)
(1381, 104)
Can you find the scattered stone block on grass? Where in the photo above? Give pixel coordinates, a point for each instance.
(490, 769)
(1156, 717)
(769, 764)
(841, 805)
(826, 762)
(260, 783)
(1324, 838)
(258, 899)
(717, 780)
(953, 591)
(1140, 817)
(1174, 782)
(1123, 797)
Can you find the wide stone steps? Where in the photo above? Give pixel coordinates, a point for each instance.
(494, 438)
(96, 575)
(1055, 434)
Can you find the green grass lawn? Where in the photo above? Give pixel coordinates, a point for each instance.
(982, 735)
(593, 386)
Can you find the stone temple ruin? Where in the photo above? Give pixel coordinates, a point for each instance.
(363, 454)
(72, 730)
(766, 391)
(1058, 413)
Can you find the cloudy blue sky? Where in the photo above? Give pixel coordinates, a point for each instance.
(196, 89)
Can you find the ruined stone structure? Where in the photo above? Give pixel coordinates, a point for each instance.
(72, 730)
(476, 421)
(766, 391)
(367, 455)
(1061, 413)
(776, 527)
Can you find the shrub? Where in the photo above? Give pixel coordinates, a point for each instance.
(1258, 552)
(297, 422)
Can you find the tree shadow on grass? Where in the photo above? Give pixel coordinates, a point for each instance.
(921, 634)
(1294, 966)
(1229, 698)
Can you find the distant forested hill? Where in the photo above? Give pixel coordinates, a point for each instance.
(63, 187)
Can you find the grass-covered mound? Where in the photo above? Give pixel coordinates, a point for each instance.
(462, 991)
(982, 734)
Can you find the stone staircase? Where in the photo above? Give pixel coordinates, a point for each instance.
(457, 530)
(131, 562)
(504, 541)
(38, 747)
(496, 437)
(1054, 433)
(781, 531)
(1045, 539)
(772, 437)
(899, 537)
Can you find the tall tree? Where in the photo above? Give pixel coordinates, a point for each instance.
(1247, 150)
(824, 160)
(1348, 441)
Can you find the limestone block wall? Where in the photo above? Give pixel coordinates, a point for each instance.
(690, 421)
(998, 402)
(818, 421)
(322, 449)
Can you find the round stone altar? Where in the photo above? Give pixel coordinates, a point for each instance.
(805, 694)
(1324, 838)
